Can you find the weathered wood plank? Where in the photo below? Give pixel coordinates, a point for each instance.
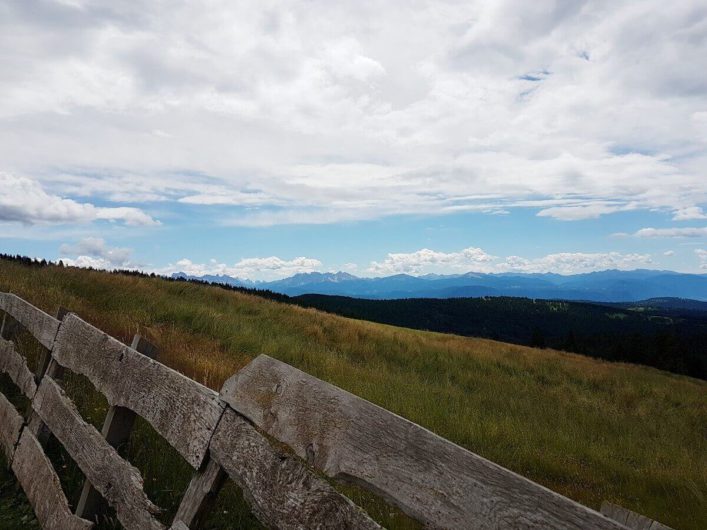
(46, 356)
(114, 478)
(184, 412)
(280, 489)
(15, 365)
(46, 365)
(117, 426)
(201, 494)
(428, 477)
(38, 479)
(41, 325)
(629, 518)
(10, 427)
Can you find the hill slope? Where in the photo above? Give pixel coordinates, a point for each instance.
(585, 428)
(652, 333)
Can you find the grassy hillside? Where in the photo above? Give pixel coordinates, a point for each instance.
(588, 429)
(669, 339)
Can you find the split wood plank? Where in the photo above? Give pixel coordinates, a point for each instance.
(10, 427)
(629, 518)
(184, 412)
(114, 478)
(41, 325)
(201, 494)
(15, 365)
(282, 492)
(428, 477)
(41, 484)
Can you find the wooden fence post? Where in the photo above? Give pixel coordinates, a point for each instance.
(116, 430)
(9, 327)
(200, 495)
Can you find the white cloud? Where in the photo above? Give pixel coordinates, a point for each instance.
(477, 260)
(579, 212)
(328, 112)
(93, 252)
(672, 232)
(428, 261)
(687, 214)
(575, 262)
(270, 268)
(24, 200)
(702, 257)
(669, 253)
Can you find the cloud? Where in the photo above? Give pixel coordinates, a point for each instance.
(93, 252)
(669, 253)
(702, 257)
(269, 268)
(477, 260)
(688, 214)
(575, 262)
(672, 232)
(428, 261)
(579, 212)
(24, 200)
(326, 114)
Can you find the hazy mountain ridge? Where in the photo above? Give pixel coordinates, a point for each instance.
(602, 286)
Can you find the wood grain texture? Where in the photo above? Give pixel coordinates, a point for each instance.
(38, 479)
(15, 365)
(118, 482)
(184, 412)
(117, 426)
(10, 427)
(428, 477)
(41, 325)
(629, 518)
(282, 492)
(201, 493)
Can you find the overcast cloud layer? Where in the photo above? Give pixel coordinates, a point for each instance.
(319, 112)
(580, 108)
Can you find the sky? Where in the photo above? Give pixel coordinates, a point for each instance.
(263, 139)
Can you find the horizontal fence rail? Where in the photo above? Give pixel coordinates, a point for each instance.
(225, 436)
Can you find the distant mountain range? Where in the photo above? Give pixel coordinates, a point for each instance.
(604, 286)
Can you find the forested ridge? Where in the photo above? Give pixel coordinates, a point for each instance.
(672, 339)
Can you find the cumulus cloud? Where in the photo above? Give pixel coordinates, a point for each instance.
(672, 232)
(575, 262)
(270, 268)
(477, 260)
(688, 214)
(429, 261)
(94, 252)
(494, 105)
(24, 200)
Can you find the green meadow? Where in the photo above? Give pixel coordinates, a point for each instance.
(588, 429)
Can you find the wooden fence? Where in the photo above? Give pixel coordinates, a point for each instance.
(332, 433)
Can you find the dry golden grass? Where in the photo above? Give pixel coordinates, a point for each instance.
(588, 429)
